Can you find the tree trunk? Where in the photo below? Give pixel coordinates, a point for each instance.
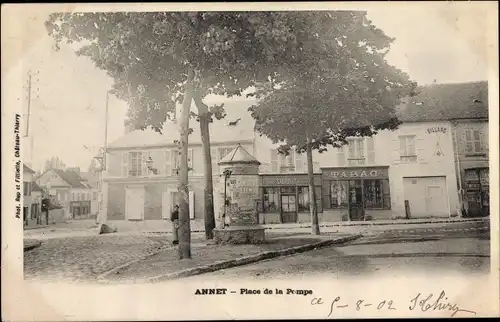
(183, 184)
(313, 208)
(207, 159)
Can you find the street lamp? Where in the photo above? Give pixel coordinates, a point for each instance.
(149, 165)
(226, 173)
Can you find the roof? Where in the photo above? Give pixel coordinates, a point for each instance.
(71, 177)
(91, 178)
(239, 155)
(220, 131)
(445, 102)
(27, 169)
(35, 187)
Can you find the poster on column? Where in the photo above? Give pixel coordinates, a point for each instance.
(123, 84)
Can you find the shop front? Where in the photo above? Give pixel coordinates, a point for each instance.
(79, 209)
(477, 192)
(353, 193)
(285, 198)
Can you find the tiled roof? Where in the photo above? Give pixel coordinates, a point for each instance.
(71, 177)
(443, 102)
(35, 187)
(220, 131)
(91, 178)
(27, 169)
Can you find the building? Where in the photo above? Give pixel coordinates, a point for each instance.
(69, 190)
(27, 197)
(407, 173)
(92, 180)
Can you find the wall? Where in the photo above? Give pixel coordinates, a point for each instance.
(429, 162)
(153, 198)
(52, 178)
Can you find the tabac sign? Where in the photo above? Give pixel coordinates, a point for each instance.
(355, 173)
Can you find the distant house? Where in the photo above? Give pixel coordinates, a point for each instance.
(92, 179)
(27, 198)
(70, 190)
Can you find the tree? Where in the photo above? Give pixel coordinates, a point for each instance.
(346, 89)
(160, 58)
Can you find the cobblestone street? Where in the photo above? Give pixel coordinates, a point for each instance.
(84, 258)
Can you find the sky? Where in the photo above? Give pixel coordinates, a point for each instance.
(69, 94)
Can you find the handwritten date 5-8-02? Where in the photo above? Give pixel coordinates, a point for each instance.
(422, 303)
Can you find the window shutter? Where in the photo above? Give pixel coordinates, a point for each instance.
(370, 148)
(174, 154)
(299, 162)
(191, 159)
(144, 167)
(402, 146)
(191, 204)
(274, 160)
(341, 156)
(167, 165)
(125, 164)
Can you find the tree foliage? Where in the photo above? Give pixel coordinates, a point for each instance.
(346, 89)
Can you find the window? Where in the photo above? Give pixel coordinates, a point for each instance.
(473, 141)
(355, 151)
(373, 194)
(176, 159)
(27, 188)
(293, 162)
(407, 152)
(339, 193)
(271, 200)
(303, 198)
(135, 164)
(94, 196)
(73, 197)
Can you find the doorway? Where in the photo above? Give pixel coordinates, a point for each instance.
(356, 209)
(288, 208)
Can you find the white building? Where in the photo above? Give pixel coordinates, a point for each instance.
(407, 172)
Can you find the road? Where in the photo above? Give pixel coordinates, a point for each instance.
(460, 248)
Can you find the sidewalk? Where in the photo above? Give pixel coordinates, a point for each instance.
(206, 258)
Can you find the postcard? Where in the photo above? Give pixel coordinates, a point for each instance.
(198, 161)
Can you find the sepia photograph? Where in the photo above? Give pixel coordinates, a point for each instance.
(222, 155)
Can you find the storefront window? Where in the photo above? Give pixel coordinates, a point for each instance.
(338, 192)
(271, 199)
(303, 198)
(373, 194)
(288, 190)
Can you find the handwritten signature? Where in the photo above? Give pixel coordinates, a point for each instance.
(419, 302)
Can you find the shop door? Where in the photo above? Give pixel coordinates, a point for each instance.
(484, 180)
(134, 203)
(288, 209)
(356, 211)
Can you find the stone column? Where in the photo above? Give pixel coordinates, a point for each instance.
(243, 192)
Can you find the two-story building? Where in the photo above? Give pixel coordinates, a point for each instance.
(69, 190)
(407, 173)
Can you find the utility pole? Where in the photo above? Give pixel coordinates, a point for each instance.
(103, 187)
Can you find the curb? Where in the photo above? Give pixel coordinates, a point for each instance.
(33, 244)
(374, 223)
(102, 276)
(354, 224)
(238, 262)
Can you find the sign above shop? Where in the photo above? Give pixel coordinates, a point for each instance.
(355, 173)
(437, 129)
(288, 180)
